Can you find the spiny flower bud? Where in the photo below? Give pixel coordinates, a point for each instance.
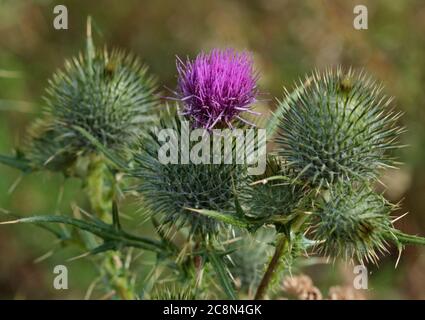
(275, 197)
(49, 149)
(352, 223)
(171, 189)
(338, 128)
(109, 95)
(217, 87)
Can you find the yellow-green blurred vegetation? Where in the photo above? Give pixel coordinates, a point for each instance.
(288, 38)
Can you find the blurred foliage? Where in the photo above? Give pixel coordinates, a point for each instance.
(289, 38)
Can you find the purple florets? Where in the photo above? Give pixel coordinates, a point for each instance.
(217, 87)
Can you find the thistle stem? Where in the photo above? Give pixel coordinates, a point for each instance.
(101, 195)
(282, 245)
(274, 263)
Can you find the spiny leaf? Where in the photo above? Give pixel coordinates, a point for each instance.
(102, 230)
(115, 216)
(223, 275)
(226, 218)
(107, 246)
(60, 234)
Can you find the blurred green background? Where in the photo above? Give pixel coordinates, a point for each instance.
(288, 39)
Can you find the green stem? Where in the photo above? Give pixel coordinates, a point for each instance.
(100, 187)
(283, 243)
(274, 262)
(101, 193)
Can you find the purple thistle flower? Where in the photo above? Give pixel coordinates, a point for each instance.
(217, 87)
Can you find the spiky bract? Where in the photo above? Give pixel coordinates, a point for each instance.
(174, 292)
(170, 189)
(338, 128)
(352, 223)
(109, 95)
(266, 198)
(49, 149)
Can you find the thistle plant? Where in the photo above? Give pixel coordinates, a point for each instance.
(218, 232)
(109, 97)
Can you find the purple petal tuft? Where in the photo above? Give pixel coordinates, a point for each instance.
(217, 87)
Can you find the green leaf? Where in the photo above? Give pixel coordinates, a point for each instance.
(60, 234)
(223, 275)
(115, 216)
(102, 230)
(110, 245)
(17, 163)
(107, 246)
(226, 218)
